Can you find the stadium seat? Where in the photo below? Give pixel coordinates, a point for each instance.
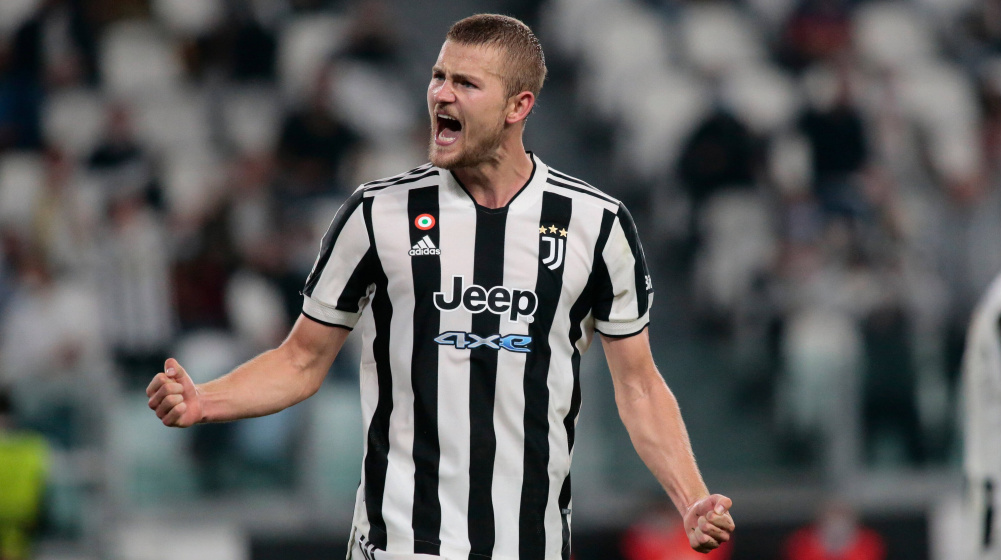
(22, 176)
(255, 308)
(372, 101)
(251, 118)
(890, 34)
(175, 119)
(135, 59)
(764, 97)
(739, 245)
(13, 13)
(305, 44)
(940, 99)
(657, 121)
(187, 18)
(632, 46)
(192, 180)
(718, 37)
(72, 119)
(571, 24)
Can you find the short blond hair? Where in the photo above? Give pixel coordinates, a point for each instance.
(525, 67)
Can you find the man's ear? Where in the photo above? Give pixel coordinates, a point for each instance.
(519, 107)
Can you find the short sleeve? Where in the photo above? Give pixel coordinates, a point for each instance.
(338, 288)
(623, 290)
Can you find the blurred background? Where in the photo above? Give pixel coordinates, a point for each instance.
(816, 184)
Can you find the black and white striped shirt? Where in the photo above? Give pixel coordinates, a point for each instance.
(477, 319)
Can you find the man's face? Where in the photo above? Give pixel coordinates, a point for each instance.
(467, 105)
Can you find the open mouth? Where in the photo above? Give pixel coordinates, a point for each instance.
(448, 129)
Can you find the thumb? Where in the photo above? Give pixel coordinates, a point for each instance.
(174, 371)
(721, 504)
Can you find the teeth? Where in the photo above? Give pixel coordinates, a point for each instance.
(441, 116)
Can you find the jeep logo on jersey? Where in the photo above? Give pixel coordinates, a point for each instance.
(498, 300)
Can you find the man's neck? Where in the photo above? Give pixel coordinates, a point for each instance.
(495, 183)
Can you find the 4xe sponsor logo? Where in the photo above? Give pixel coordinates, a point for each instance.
(499, 300)
(468, 341)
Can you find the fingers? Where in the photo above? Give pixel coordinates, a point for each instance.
(709, 523)
(173, 416)
(708, 526)
(701, 542)
(167, 388)
(724, 522)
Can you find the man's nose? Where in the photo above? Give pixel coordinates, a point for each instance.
(444, 93)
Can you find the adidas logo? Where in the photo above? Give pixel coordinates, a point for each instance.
(424, 247)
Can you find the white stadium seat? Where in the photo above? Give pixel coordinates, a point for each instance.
(137, 59)
(656, 123)
(890, 34)
(22, 176)
(13, 13)
(252, 118)
(73, 119)
(762, 96)
(305, 44)
(174, 118)
(632, 44)
(188, 18)
(718, 37)
(192, 181)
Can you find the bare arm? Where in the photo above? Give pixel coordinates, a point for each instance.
(268, 383)
(653, 419)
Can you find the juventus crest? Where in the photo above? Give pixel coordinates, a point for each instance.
(555, 242)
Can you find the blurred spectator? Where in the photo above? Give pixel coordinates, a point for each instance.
(120, 161)
(314, 146)
(61, 227)
(839, 152)
(658, 534)
(200, 274)
(240, 48)
(719, 154)
(24, 473)
(836, 535)
(51, 349)
(134, 279)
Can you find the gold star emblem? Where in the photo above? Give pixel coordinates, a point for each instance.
(563, 232)
(553, 229)
(542, 229)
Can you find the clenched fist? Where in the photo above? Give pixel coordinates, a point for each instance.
(173, 396)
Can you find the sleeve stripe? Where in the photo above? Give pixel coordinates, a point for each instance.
(395, 178)
(402, 181)
(640, 263)
(600, 272)
(325, 323)
(569, 186)
(337, 224)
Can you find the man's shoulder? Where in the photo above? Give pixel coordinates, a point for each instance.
(565, 184)
(419, 176)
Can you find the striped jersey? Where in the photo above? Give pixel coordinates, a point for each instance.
(474, 321)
